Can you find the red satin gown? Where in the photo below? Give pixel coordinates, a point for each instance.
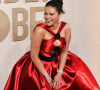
(76, 75)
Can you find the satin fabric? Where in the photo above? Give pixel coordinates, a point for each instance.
(76, 75)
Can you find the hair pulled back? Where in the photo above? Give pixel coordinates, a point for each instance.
(58, 4)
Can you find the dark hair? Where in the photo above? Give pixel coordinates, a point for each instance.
(58, 4)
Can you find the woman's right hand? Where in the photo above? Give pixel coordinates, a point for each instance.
(49, 80)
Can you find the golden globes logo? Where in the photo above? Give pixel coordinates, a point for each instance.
(5, 24)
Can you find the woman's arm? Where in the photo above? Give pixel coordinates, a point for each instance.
(63, 55)
(36, 39)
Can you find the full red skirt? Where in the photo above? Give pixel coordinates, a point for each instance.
(76, 75)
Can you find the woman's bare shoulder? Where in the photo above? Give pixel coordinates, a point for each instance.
(67, 28)
(38, 30)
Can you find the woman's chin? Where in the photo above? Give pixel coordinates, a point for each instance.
(49, 24)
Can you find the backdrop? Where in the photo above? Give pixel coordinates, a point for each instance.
(18, 18)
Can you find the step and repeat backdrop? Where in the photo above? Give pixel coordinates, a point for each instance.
(19, 17)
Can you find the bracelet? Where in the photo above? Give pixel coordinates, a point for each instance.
(47, 77)
(60, 71)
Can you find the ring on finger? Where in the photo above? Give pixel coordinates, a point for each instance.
(57, 84)
(54, 84)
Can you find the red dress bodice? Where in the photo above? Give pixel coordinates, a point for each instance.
(47, 46)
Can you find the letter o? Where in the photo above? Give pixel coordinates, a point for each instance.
(4, 25)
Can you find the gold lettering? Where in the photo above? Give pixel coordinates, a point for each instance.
(33, 21)
(4, 25)
(31, 0)
(10, 1)
(17, 23)
(44, 0)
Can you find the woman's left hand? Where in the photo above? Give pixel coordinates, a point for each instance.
(57, 81)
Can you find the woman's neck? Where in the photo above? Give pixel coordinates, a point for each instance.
(55, 26)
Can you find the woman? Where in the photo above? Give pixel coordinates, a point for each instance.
(49, 65)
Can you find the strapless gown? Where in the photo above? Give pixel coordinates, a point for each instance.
(76, 75)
